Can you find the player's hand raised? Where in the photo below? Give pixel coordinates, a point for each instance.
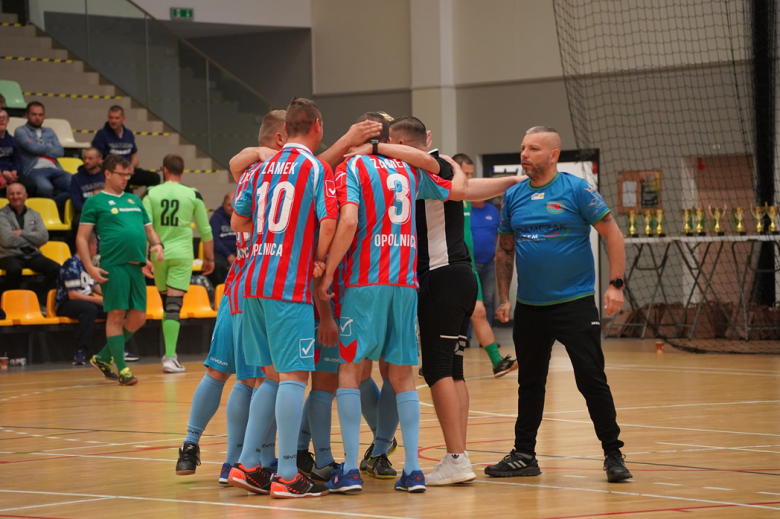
(328, 334)
(503, 311)
(360, 132)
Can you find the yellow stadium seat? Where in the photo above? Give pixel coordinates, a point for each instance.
(49, 214)
(6, 322)
(201, 251)
(51, 310)
(56, 250)
(218, 293)
(64, 132)
(70, 164)
(22, 307)
(70, 213)
(3, 202)
(196, 304)
(154, 308)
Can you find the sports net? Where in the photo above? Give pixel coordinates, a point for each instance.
(668, 91)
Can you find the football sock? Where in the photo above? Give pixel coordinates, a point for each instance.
(289, 404)
(492, 351)
(237, 417)
(170, 329)
(304, 437)
(387, 419)
(205, 403)
(268, 447)
(409, 414)
(349, 403)
(261, 414)
(320, 410)
(369, 399)
(116, 346)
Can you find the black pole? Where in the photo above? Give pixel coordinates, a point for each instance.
(764, 25)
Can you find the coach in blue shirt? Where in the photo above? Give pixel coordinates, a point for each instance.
(224, 240)
(484, 232)
(11, 159)
(546, 223)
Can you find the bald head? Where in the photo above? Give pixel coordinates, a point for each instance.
(540, 151)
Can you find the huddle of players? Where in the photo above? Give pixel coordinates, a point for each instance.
(361, 275)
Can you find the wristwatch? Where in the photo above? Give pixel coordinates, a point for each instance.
(617, 283)
(375, 144)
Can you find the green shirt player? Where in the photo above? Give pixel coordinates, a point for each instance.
(172, 207)
(479, 321)
(123, 228)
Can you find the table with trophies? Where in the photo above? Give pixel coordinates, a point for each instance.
(696, 246)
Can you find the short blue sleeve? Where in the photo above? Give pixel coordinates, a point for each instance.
(353, 182)
(590, 204)
(432, 187)
(243, 202)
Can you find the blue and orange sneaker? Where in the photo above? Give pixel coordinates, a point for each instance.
(413, 483)
(224, 473)
(345, 483)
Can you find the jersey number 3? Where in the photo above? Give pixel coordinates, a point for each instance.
(169, 210)
(399, 185)
(281, 207)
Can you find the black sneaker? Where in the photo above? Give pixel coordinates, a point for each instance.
(104, 368)
(380, 467)
(257, 480)
(305, 462)
(616, 467)
(504, 366)
(514, 464)
(299, 486)
(131, 357)
(323, 475)
(80, 358)
(370, 450)
(420, 373)
(189, 459)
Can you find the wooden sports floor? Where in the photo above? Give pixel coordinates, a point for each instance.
(702, 437)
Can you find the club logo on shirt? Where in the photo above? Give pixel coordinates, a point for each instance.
(330, 188)
(111, 202)
(555, 207)
(130, 201)
(537, 196)
(114, 211)
(341, 179)
(345, 326)
(306, 348)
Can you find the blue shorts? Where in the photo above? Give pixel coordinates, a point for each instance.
(226, 354)
(279, 334)
(326, 360)
(379, 321)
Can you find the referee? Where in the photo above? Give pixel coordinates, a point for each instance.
(546, 222)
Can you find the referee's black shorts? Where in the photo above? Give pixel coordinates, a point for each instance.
(445, 303)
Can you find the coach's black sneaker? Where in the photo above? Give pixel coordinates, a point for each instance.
(514, 464)
(305, 462)
(504, 366)
(323, 475)
(616, 467)
(103, 367)
(189, 459)
(380, 467)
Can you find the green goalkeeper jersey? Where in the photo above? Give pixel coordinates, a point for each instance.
(172, 207)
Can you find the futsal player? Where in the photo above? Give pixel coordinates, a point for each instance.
(172, 206)
(281, 205)
(377, 228)
(545, 222)
(226, 357)
(123, 228)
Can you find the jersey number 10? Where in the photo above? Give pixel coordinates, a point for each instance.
(278, 217)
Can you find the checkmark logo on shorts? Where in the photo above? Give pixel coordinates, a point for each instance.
(345, 326)
(306, 347)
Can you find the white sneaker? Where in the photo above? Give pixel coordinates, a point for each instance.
(447, 472)
(172, 365)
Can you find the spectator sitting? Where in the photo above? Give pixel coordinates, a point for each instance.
(484, 229)
(224, 240)
(76, 299)
(88, 178)
(21, 235)
(40, 150)
(115, 139)
(10, 158)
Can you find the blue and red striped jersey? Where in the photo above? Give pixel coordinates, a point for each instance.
(286, 197)
(384, 251)
(234, 283)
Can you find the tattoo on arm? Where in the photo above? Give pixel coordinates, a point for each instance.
(505, 255)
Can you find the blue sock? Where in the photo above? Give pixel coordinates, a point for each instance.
(369, 398)
(237, 417)
(261, 414)
(289, 404)
(320, 410)
(304, 436)
(349, 403)
(387, 419)
(409, 413)
(268, 452)
(205, 403)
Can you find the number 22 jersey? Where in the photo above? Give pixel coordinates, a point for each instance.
(286, 197)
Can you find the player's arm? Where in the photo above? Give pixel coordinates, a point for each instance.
(75, 295)
(505, 263)
(206, 235)
(460, 182)
(82, 248)
(345, 233)
(412, 156)
(357, 134)
(247, 157)
(240, 223)
(155, 243)
(487, 188)
(616, 252)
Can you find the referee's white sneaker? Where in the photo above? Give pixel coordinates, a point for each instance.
(172, 365)
(452, 469)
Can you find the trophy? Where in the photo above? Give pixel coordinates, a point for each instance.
(701, 221)
(649, 217)
(758, 214)
(771, 211)
(659, 220)
(715, 215)
(738, 220)
(632, 224)
(686, 214)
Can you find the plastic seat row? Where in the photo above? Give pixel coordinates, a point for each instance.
(61, 127)
(54, 250)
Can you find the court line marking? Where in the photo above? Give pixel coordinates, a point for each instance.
(769, 493)
(189, 501)
(55, 504)
(699, 371)
(668, 428)
(681, 368)
(712, 447)
(668, 484)
(631, 494)
(718, 488)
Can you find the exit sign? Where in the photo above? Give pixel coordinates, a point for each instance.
(182, 13)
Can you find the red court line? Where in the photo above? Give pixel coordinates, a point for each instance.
(648, 511)
(38, 459)
(30, 516)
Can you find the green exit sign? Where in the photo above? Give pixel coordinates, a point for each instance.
(182, 13)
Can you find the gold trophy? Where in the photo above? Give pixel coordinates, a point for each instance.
(715, 216)
(659, 220)
(758, 214)
(701, 221)
(649, 217)
(686, 214)
(771, 211)
(632, 224)
(738, 220)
